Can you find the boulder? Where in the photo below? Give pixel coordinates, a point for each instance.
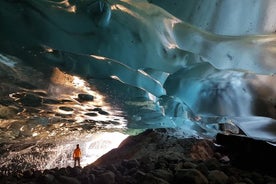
(249, 153)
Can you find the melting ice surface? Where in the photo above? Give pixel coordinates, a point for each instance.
(144, 67)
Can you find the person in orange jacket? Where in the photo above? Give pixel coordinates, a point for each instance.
(77, 155)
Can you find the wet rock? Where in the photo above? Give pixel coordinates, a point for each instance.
(224, 159)
(202, 168)
(147, 164)
(130, 163)
(116, 169)
(68, 180)
(31, 100)
(269, 179)
(64, 171)
(7, 112)
(217, 177)
(101, 111)
(25, 85)
(241, 149)
(85, 179)
(46, 179)
(28, 173)
(63, 115)
(92, 178)
(91, 114)
(247, 181)
(212, 164)
(74, 171)
(66, 101)
(50, 101)
(126, 179)
(257, 177)
(107, 177)
(40, 93)
(150, 179)
(164, 174)
(189, 165)
(97, 109)
(232, 179)
(37, 173)
(203, 150)
(85, 97)
(130, 172)
(162, 163)
(178, 166)
(66, 108)
(5, 101)
(115, 122)
(191, 176)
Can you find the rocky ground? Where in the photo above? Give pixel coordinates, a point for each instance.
(157, 157)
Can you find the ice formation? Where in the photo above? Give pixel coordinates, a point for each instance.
(132, 41)
(171, 72)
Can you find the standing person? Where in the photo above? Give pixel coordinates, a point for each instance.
(77, 155)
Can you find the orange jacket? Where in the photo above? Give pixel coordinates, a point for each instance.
(77, 153)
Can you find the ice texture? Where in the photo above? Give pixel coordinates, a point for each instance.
(187, 73)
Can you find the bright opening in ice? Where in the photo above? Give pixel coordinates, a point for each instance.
(99, 145)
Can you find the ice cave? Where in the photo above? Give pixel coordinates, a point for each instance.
(94, 72)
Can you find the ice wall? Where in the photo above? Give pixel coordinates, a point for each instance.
(227, 17)
(144, 46)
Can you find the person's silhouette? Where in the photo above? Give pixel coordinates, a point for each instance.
(76, 156)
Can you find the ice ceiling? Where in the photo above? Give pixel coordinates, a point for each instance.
(193, 63)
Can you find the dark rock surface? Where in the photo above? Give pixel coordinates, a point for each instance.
(85, 97)
(152, 157)
(249, 153)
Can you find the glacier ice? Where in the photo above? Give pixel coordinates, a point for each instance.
(139, 35)
(225, 17)
(195, 68)
(182, 69)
